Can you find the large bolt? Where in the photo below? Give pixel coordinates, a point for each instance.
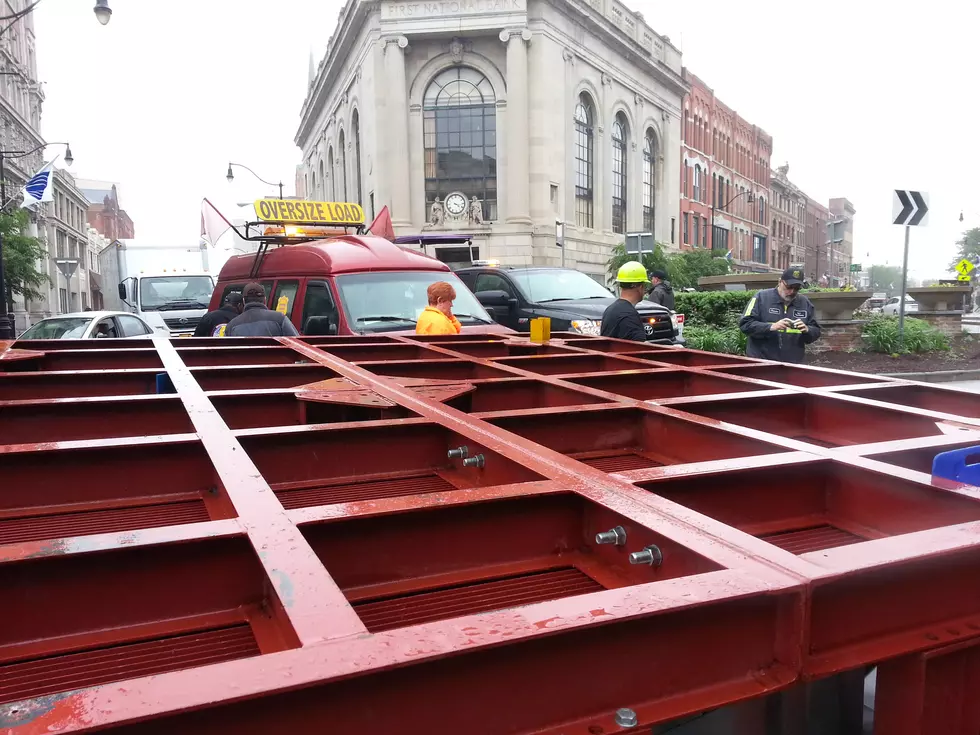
(625, 717)
(650, 555)
(459, 453)
(477, 461)
(614, 536)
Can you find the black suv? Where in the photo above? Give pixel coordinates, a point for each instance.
(573, 301)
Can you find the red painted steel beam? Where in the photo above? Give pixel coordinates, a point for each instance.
(320, 612)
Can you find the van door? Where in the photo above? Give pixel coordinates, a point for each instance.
(320, 314)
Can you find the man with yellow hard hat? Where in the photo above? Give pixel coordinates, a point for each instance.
(620, 319)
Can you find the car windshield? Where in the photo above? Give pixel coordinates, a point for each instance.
(558, 285)
(175, 292)
(375, 302)
(64, 328)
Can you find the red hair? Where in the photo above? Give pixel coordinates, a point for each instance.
(440, 290)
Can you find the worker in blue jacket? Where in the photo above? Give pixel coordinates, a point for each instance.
(779, 322)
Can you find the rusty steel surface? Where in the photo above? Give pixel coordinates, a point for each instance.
(392, 534)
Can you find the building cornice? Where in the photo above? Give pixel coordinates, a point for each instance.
(349, 24)
(609, 33)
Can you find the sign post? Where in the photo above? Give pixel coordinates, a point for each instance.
(67, 266)
(911, 209)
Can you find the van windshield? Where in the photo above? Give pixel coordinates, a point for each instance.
(392, 300)
(175, 292)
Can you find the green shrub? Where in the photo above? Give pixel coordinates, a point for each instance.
(880, 334)
(728, 340)
(719, 309)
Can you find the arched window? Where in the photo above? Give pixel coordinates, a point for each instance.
(620, 134)
(459, 122)
(649, 177)
(328, 184)
(355, 126)
(315, 189)
(342, 166)
(697, 183)
(584, 162)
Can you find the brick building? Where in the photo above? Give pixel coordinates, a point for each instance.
(725, 199)
(841, 250)
(814, 256)
(105, 214)
(789, 209)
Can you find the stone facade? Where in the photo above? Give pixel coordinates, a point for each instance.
(66, 234)
(21, 99)
(418, 100)
(724, 180)
(815, 256)
(841, 254)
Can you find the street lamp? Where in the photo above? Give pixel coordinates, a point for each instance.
(6, 326)
(750, 199)
(231, 176)
(102, 11)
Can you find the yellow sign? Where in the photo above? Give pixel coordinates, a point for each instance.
(964, 267)
(283, 306)
(328, 213)
(961, 277)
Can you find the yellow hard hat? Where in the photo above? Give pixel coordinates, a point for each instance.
(632, 272)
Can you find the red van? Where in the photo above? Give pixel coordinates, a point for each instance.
(351, 284)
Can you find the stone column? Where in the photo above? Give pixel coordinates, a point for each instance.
(397, 163)
(518, 127)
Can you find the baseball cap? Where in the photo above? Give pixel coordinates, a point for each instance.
(233, 299)
(253, 291)
(793, 276)
(662, 275)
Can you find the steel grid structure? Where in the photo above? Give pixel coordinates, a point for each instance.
(399, 535)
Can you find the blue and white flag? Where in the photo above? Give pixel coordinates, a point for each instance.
(38, 188)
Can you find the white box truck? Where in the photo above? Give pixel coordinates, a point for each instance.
(168, 285)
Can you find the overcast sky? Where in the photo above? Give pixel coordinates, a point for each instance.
(861, 97)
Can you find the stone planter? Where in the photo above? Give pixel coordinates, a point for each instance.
(739, 282)
(941, 298)
(837, 304)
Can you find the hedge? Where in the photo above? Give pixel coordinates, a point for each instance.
(719, 309)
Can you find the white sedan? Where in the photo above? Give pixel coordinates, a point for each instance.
(91, 325)
(890, 307)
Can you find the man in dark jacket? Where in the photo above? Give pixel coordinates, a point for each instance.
(780, 322)
(257, 320)
(211, 323)
(662, 293)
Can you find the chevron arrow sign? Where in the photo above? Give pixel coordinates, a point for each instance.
(910, 208)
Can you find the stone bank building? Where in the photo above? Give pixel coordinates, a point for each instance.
(496, 118)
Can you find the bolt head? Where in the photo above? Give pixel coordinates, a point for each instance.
(625, 717)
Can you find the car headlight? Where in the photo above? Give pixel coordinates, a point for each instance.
(586, 326)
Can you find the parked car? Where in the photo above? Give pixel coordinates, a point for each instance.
(890, 307)
(572, 300)
(91, 325)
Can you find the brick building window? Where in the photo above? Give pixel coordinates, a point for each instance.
(704, 232)
(759, 248)
(687, 222)
(649, 188)
(459, 124)
(697, 184)
(584, 162)
(620, 135)
(697, 230)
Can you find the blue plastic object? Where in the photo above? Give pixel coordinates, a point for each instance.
(953, 465)
(164, 384)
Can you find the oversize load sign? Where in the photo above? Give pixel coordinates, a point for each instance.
(327, 213)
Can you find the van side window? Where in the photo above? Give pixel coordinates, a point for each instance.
(319, 310)
(237, 288)
(289, 289)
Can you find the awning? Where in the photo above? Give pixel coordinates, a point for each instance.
(95, 281)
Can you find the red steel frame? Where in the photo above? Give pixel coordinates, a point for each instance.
(801, 537)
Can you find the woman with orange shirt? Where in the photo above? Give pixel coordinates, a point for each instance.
(437, 317)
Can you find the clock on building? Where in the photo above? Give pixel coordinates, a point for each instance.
(456, 204)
